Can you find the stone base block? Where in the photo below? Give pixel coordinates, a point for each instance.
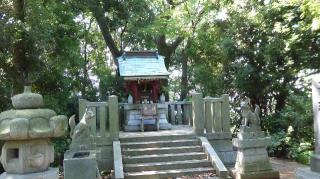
(256, 175)
(51, 173)
(306, 173)
(80, 165)
(147, 127)
(315, 163)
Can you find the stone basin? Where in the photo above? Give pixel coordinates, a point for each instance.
(31, 124)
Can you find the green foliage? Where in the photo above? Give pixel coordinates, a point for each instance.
(61, 145)
(293, 135)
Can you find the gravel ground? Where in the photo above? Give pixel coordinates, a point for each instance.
(202, 176)
(286, 167)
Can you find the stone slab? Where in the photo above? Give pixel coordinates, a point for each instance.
(219, 135)
(306, 173)
(51, 173)
(252, 143)
(250, 135)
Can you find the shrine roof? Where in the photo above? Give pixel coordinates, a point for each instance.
(142, 65)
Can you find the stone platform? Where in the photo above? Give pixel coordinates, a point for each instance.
(51, 173)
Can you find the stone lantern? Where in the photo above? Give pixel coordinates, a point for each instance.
(27, 130)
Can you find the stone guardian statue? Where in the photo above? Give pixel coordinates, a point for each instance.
(250, 119)
(81, 135)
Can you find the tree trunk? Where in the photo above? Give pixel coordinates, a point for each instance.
(167, 49)
(98, 14)
(19, 50)
(184, 76)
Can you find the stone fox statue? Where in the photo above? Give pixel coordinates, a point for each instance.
(81, 134)
(251, 119)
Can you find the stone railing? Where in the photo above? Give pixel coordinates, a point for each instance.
(105, 127)
(211, 118)
(180, 112)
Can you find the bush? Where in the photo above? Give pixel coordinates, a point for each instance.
(61, 145)
(291, 130)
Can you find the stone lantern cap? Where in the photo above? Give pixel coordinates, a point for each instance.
(29, 121)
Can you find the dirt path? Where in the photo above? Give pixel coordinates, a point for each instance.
(286, 167)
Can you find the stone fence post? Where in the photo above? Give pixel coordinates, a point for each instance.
(225, 113)
(114, 117)
(82, 107)
(197, 116)
(315, 159)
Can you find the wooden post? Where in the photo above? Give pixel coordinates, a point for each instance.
(225, 113)
(198, 117)
(114, 117)
(209, 116)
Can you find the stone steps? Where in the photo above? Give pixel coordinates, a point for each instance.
(149, 157)
(167, 173)
(164, 157)
(163, 150)
(159, 144)
(139, 167)
(147, 138)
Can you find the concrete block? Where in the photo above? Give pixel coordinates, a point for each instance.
(51, 173)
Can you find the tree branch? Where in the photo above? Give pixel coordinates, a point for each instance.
(98, 14)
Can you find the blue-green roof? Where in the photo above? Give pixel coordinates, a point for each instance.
(143, 66)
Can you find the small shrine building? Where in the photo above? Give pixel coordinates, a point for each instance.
(144, 72)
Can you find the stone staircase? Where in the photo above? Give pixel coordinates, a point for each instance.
(168, 156)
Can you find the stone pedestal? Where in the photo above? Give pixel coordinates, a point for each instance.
(80, 165)
(51, 173)
(252, 157)
(133, 118)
